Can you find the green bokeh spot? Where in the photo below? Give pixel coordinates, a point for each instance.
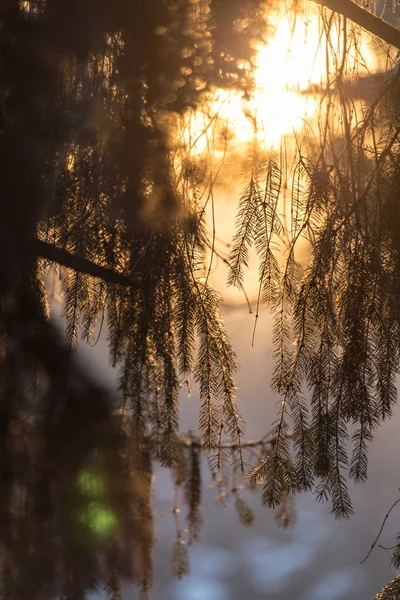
(101, 519)
(91, 483)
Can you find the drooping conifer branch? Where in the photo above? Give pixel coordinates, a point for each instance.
(82, 265)
(364, 19)
(390, 591)
(267, 440)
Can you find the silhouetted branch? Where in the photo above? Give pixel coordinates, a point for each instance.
(228, 264)
(380, 530)
(265, 440)
(365, 19)
(83, 265)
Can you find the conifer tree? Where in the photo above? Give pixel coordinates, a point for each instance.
(98, 185)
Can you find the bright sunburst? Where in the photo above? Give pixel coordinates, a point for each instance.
(290, 71)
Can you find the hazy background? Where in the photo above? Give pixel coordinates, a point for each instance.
(318, 559)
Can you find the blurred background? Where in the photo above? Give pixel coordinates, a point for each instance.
(319, 557)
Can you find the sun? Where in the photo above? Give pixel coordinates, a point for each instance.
(290, 71)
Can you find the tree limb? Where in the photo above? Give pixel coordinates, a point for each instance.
(267, 440)
(77, 263)
(365, 19)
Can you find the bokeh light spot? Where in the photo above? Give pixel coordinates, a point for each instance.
(91, 483)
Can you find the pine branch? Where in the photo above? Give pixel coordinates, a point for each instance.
(265, 440)
(390, 591)
(82, 265)
(364, 19)
(244, 511)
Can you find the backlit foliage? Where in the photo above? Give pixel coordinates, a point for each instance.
(106, 174)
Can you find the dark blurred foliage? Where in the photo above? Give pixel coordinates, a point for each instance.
(85, 93)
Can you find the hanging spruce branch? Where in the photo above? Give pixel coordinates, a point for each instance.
(99, 179)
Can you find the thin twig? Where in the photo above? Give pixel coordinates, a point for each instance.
(381, 529)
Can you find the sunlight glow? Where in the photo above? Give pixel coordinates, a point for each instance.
(290, 73)
(294, 102)
(285, 69)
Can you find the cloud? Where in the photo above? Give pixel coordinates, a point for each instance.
(197, 588)
(270, 570)
(212, 561)
(335, 585)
